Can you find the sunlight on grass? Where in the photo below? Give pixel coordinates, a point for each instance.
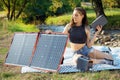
(59, 20)
(112, 12)
(3, 13)
(20, 27)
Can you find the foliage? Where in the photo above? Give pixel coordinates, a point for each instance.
(1, 6)
(14, 7)
(37, 9)
(41, 9)
(109, 3)
(55, 5)
(20, 27)
(113, 18)
(60, 20)
(17, 26)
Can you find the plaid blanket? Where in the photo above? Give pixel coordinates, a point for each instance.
(67, 66)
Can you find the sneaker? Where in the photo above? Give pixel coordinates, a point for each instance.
(108, 61)
(107, 50)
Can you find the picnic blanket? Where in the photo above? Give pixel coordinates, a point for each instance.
(67, 66)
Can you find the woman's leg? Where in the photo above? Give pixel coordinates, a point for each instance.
(98, 61)
(75, 57)
(96, 54)
(95, 61)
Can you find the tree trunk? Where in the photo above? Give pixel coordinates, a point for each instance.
(7, 4)
(118, 3)
(13, 10)
(98, 7)
(22, 8)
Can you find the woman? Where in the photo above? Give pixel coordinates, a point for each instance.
(79, 36)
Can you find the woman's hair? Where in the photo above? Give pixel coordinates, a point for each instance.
(84, 20)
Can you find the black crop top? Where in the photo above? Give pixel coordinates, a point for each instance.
(77, 35)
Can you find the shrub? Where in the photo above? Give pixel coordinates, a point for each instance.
(20, 27)
(60, 20)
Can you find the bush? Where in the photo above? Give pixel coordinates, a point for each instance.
(20, 27)
(60, 20)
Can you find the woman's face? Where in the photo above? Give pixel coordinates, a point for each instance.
(77, 17)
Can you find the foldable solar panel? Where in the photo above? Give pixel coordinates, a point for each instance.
(21, 49)
(49, 51)
(101, 20)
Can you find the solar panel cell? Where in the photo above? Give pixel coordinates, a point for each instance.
(49, 51)
(21, 49)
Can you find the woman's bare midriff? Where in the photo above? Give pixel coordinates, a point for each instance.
(76, 46)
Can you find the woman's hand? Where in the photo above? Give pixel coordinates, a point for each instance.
(48, 31)
(98, 29)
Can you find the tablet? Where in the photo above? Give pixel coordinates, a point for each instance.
(101, 20)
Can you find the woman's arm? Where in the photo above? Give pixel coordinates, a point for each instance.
(48, 31)
(90, 41)
(66, 29)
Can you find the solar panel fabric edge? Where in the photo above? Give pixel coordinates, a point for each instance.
(44, 61)
(32, 36)
(62, 58)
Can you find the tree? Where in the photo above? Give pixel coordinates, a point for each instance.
(98, 7)
(14, 7)
(37, 9)
(41, 9)
(110, 3)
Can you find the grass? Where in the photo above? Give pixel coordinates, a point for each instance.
(60, 20)
(103, 75)
(21, 27)
(3, 50)
(17, 26)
